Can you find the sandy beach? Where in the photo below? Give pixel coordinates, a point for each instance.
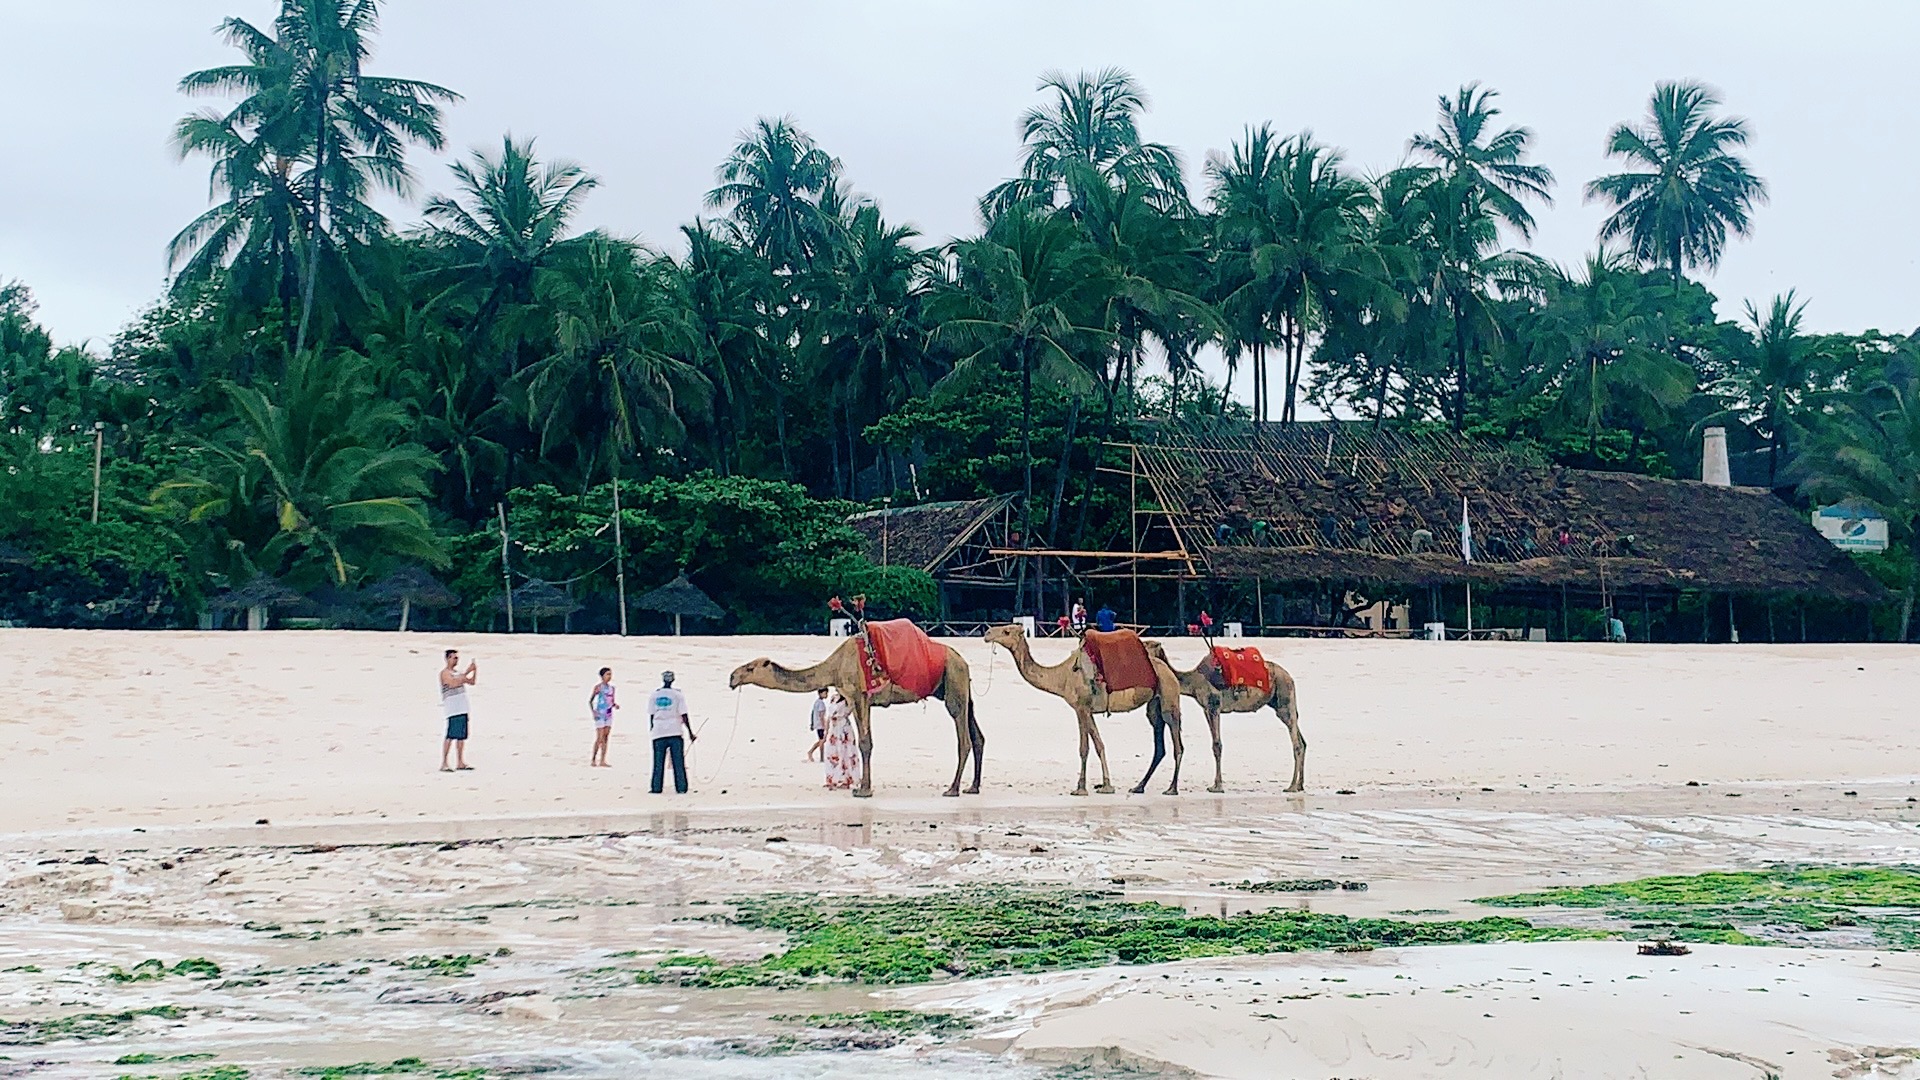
(271, 802)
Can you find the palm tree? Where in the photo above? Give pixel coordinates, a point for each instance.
(1293, 248)
(1493, 165)
(1866, 446)
(728, 295)
(1773, 372)
(1481, 179)
(509, 222)
(253, 228)
(1030, 295)
(1087, 136)
(304, 91)
(615, 379)
(316, 480)
(1688, 186)
(772, 186)
(1597, 341)
(866, 340)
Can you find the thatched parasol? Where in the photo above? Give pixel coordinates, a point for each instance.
(338, 607)
(537, 598)
(411, 587)
(681, 597)
(257, 598)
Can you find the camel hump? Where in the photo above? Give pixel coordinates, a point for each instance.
(907, 657)
(1122, 660)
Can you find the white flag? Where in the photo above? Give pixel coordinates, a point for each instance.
(1466, 532)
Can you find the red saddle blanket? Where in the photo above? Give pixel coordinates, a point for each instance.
(1120, 659)
(1243, 667)
(901, 653)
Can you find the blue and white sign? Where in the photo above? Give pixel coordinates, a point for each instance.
(1851, 528)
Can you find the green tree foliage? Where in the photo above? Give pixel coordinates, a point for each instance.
(1687, 185)
(320, 397)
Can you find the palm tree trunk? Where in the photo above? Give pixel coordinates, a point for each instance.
(1460, 365)
(313, 232)
(1060, 474)
(1026, 431)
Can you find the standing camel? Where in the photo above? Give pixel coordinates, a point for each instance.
(1073, 682)
(1198, 685)
(842, 671)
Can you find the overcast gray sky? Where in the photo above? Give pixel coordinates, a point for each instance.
(920, 101)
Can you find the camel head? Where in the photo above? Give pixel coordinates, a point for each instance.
(1006, 635)
(752, 673)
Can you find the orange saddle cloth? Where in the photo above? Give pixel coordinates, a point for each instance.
(1243, 667)
(903, 654)
(1121, 660)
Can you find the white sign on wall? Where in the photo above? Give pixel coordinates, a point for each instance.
(1851, 528)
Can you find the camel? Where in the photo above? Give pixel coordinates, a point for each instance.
(1072, 682)
(1198, 685)
(842, 671)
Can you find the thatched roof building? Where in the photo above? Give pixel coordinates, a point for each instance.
(970, 547)
(1341, 503)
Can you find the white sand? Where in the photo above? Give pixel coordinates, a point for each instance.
(156, 754)
(111, 729)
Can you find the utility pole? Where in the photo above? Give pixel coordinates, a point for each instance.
(619, 557)
(505, 574)
(99, 440)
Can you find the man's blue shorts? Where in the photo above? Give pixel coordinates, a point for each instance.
(457, 727)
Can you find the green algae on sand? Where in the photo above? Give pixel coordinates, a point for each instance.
(993, 931)
(1749, 907)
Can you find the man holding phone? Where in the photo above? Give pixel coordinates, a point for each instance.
(453, 703)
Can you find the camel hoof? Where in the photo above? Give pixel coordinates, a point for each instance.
(1217, 788)
(1296, 788)
(951, 793)
(974, 790)
(863, 793)
(1104, 789)
(1078, 791)
(1173, 790)
(1137, 790)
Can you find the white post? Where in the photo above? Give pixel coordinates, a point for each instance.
(676, 624)
(99, 438)
(1469, 611)
(619, 557)
(406, 609)
(505, 574)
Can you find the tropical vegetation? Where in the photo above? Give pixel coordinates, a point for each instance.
(325, 397)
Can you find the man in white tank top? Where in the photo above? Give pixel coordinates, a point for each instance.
(453, 703)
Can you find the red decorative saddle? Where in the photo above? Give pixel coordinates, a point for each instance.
(900, 653)
(1120, 659)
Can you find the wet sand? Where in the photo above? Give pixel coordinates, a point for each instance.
(154, 755)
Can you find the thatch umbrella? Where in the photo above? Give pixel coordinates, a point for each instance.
(338, 607)
(537, 598)
(411, 587)
(257, 598)
(681, 597)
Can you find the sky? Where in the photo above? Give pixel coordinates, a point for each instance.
(920, 100)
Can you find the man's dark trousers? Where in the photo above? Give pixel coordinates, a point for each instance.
(674, 746)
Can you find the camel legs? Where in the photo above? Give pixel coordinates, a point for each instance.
(1213, 726)
(1090, 734)
(961, 709)
(1159, 745)
(1163, 721)
(863, 723)
(979, 748)
(1290, 715)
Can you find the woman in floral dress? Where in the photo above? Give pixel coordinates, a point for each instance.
(841, 755)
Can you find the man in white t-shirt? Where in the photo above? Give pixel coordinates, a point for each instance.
(671, 730)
